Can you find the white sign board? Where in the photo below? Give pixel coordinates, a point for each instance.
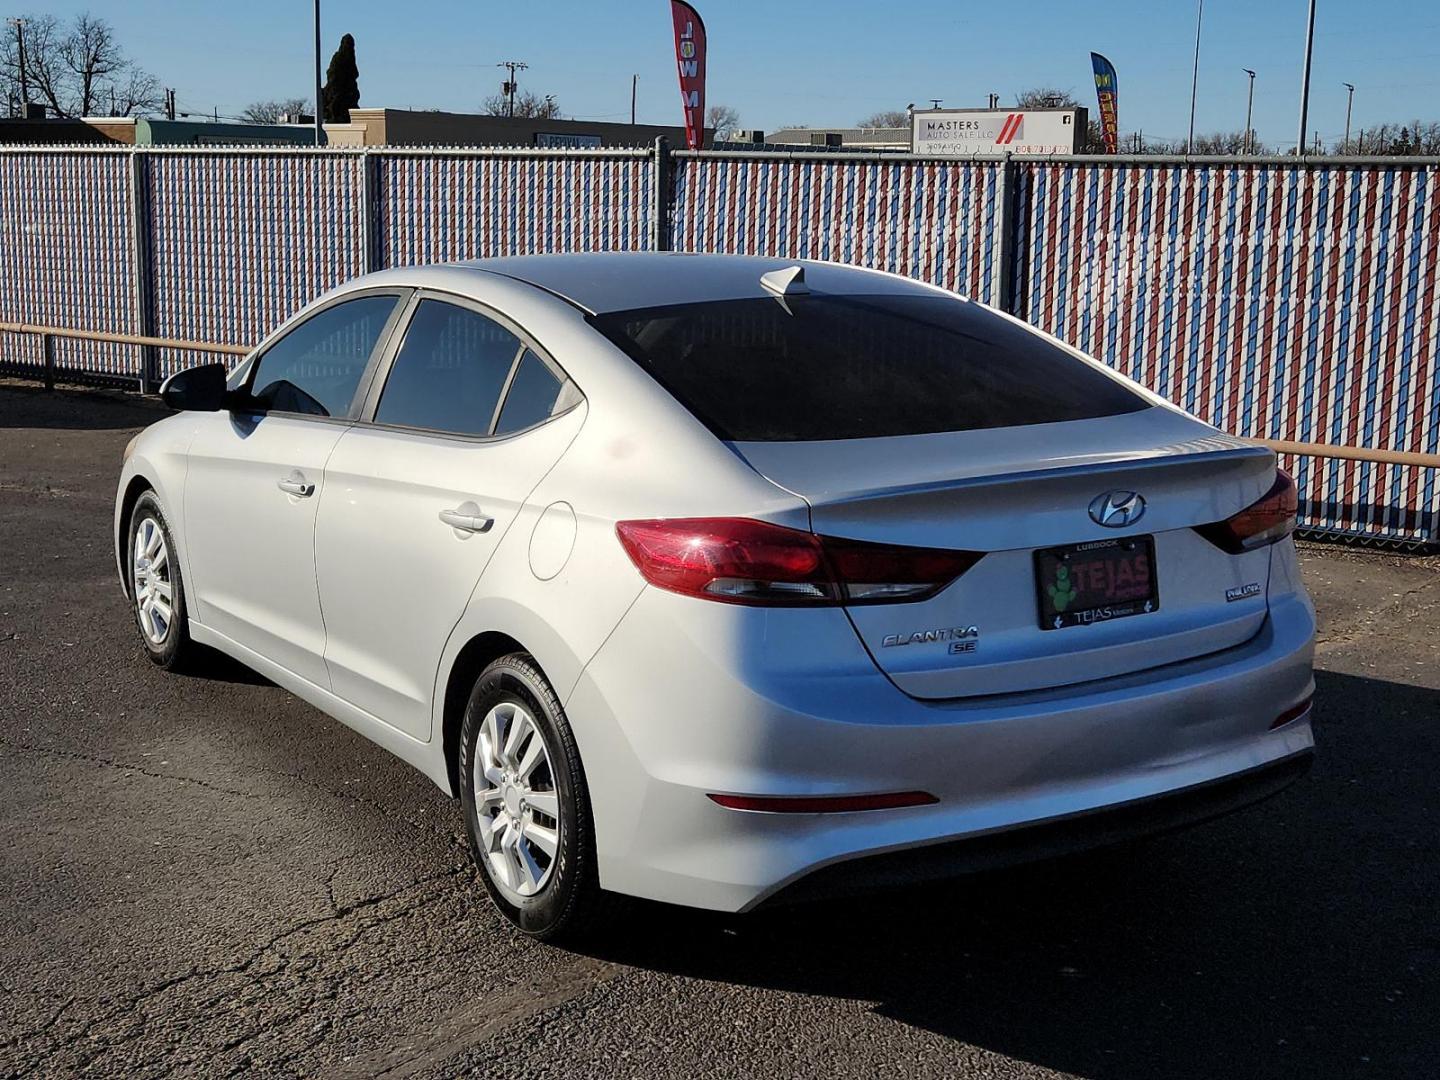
(997, 132)
(581, 142)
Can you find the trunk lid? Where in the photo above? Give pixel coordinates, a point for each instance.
(1011, 492)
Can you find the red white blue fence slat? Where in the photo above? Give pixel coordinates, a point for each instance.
(1274, 301)
(933, 220)
(440, 208)
(65, 258)
(240, 242)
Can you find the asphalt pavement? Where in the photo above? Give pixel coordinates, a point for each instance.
(201, 875)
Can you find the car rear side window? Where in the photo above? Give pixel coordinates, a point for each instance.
(316, 367)
(449, 372)
(819, 367)
(531, 397)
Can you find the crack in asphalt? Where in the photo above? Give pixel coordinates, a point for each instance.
(125, 766)
(130, 1013)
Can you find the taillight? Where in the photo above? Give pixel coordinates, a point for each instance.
(740, 561)
(1269, 519)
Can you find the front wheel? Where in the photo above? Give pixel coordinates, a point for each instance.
(157, 592)
(527, 809)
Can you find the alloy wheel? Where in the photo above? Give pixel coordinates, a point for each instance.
(516, 802)
(154, 583)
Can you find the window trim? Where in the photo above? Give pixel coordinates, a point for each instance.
(401, 294)
(387, 358)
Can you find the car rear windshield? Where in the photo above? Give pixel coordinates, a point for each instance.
(852, 367)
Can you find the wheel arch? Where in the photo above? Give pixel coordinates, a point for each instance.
(477, 653)
(137, 486)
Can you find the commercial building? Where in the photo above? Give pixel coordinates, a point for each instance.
(405, 127)
(872, 139)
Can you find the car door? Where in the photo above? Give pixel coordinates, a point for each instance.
(462, 424)
(256, 475)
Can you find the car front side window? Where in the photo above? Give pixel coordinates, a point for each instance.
(450, 371)
(316, 367)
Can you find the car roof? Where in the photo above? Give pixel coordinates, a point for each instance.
(617, 281)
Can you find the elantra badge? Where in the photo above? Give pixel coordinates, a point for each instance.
(1116, 509)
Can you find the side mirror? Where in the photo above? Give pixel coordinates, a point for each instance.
(196, 389)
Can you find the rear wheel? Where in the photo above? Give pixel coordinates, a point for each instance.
(157, 591)
(527, 809)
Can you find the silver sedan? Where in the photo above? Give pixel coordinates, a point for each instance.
(723, 580)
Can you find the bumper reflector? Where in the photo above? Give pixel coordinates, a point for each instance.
(1293, 713)
(823, 804)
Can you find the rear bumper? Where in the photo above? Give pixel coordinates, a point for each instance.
(1067, 835)
(688, 698)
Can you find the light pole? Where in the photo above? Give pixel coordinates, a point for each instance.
(319, 119)
(19, 25)
(634, 82)
(1249, 111)
(1349, 101)
(512, 66)
(1195, 75)
(1305, 83)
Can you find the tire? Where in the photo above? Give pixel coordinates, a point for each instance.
(154, 572)
(512, 817)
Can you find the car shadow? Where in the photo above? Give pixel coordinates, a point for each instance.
(1296, 937)
(212, 665)
(23, 405)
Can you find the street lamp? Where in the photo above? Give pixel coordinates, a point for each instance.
(1349, 101)
(1305, 83)
(319, 120)
(1195, 75)
(1249, 111)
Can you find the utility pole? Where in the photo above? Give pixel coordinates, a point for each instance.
(319, 105)
(1305, 82)
(1349, 101)
(1249, 111)
(634, 80)
(1195, 74)
(19, 25)
(509, 87)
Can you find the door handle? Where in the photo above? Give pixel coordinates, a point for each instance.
(467, 518)
(295, 484)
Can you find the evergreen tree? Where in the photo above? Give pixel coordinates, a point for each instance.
(342, 83)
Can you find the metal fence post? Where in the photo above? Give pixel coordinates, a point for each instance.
(370, 259)
(47, 345)
(663, 196)
(1004, 288)
(140, 234)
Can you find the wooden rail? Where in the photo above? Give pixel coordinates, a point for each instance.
(49, 333)
(1352, 453)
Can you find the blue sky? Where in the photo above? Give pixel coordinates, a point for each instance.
(783, 63)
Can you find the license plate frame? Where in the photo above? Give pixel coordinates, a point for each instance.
(1096, 595)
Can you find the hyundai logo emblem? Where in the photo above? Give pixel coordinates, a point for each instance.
(1116, 509)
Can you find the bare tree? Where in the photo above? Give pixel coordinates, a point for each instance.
(527, 104)
(140, 93)
(270, 112)
(1388, 140)
(89, 56)
(1048, 97)
(890, 118)
(76, 70)
(722, 119)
